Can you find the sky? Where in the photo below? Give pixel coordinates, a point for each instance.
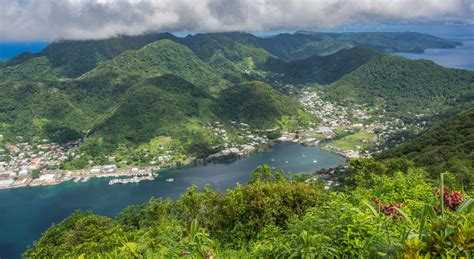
(43, 20)
(29, 25)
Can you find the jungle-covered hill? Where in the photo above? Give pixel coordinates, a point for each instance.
(447, 147)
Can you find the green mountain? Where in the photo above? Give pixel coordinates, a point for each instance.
(153, 107)
(405, 87)
(41, 109)
(33, 69)
(158, 58)
(72, 58)
(255, 103)
(230, 56)
(322, 69)
(78, 104)
(300, 46)
(447, 147)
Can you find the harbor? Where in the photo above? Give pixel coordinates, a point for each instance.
(29, 205)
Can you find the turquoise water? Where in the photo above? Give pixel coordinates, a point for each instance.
(460, 57)
(25, 213)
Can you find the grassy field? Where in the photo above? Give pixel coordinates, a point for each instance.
(363, 139)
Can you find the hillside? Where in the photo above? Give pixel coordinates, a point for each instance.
(255, 103)
(322, 69)
(72, 58)
(40, 109)
(448, 147)
(405, 87)
(156, 106)
(33, 103)
(299, 46)
(228, 54)
(158, 58)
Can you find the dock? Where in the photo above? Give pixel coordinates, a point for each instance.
(135, 179)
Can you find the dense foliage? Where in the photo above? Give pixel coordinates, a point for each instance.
(448, 146)
(132, 90)
(162, 89)
(322, 69)
(404, 87)
(72, 58)
(240, 103)
(273, 216)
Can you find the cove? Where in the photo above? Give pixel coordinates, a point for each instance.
(25, 213)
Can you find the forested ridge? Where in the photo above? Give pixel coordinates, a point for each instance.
(447, 147)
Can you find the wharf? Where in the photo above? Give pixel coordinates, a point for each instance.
(135, 179)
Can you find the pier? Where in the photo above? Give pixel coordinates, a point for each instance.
(135, 179)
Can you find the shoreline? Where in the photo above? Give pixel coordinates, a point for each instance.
(55, 177)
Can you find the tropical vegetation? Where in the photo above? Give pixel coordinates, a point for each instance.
(392, 214)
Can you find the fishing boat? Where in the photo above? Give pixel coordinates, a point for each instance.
(315, 161)
(170, 180)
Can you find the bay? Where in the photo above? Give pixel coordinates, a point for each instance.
(25, 213)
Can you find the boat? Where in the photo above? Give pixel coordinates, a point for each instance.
(286, 162)
(273, 159)
(315, 161)
(304, 155)
(170, 180)
(77, 179)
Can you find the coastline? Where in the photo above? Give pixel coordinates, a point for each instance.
(54, 177)
(58, 176)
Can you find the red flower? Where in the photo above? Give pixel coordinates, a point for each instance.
(389, 210)
(452, 200)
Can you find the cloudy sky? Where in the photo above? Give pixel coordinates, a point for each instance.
(28, 20)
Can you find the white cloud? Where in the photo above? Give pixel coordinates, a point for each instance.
(84, 19)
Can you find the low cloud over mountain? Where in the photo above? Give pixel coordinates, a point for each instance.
(85, 19)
